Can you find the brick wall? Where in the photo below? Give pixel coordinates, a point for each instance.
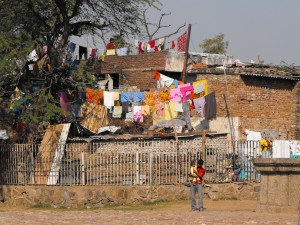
(151, 60)
(137, 69)
(263, 104)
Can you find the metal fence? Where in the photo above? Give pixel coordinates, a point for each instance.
(142, 162)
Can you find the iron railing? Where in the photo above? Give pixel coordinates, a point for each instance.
(142, 162)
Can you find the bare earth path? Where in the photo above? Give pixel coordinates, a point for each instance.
(217, 213)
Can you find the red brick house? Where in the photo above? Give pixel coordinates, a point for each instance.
(258, 97)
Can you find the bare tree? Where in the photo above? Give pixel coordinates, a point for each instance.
(157, 26)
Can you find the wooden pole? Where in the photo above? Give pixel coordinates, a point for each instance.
(186, 54)
(176, 142)
(203, 147)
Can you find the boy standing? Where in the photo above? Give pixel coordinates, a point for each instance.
(196, 184)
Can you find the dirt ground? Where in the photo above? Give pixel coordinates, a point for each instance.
(177, 212)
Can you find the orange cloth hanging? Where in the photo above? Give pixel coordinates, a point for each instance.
(156, 75)
(94, 95)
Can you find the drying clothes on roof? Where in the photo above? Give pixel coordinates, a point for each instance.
(122, 51)
(152, 43)
(111, 52)
(176, 95)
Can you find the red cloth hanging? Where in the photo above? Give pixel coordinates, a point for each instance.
(173, 44)
(152, 43)
(181, 42)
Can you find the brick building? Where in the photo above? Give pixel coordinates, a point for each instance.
(258, 97)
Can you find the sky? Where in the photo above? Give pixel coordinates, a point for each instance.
(266, 28)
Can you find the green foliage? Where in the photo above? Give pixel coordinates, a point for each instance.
(215, 45)
(26, 25)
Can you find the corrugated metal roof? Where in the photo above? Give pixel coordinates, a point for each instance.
(271, 76)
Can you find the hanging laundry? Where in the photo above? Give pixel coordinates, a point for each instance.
(156, 75)
(138, 96)
(175, 95)
(94, 96)
(141, 48)
(186, 91)
(158, 113)
(137, 114)
(145, 110)
(122, 51)
(117, 112)
(210, 106)
(181, 42)
(94, 53)
(82, 53)
(172, 109)
(89, 52)
(178, 107)
(165, 81)
(64, 103)
(136, 43)
(200, 87)
(108, 99)
(111, 52)
(126, 96)
(173, 44)
(129, 116)
(152, 43)
(161, 43)
(199, 104)
(125, 107)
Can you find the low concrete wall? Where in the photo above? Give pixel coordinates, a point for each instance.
(99, 196)
(280, 185)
